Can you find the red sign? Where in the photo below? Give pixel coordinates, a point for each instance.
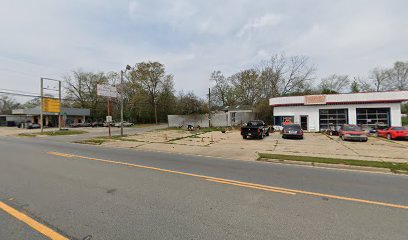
(315, 99)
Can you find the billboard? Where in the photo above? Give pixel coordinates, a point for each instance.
(106, 91)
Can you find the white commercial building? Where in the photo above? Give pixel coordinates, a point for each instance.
(320, 112)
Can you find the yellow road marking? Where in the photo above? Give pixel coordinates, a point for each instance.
(46, 231)
(250, 186)
(222, 180)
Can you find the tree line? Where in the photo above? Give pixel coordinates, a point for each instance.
(149, 93)
(283, 75)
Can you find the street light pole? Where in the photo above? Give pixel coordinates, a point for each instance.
(121, 103)
(121, 97)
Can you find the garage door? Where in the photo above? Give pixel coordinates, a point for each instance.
(373, 116)
(332, 118)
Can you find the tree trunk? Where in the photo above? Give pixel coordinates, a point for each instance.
(155, 112)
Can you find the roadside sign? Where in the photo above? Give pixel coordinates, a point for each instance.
(106, 91)
(108, 119)
(51, 105)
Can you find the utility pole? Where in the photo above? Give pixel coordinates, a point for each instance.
(41, 105)
(109, 122)
(121, 103)
(209, 107)
(59, 113)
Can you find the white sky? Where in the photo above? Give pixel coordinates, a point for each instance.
(192, 38)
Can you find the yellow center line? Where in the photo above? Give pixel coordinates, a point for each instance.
(228, 181)
(46, 231)
(250, 186)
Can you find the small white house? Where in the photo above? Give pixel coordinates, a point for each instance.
(320, 112)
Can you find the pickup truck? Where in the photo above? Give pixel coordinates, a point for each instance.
(255, 129)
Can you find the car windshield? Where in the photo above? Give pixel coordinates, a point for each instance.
(291, 127)
(351, 128)
(400, 128)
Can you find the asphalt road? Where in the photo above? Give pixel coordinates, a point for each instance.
(129, 194)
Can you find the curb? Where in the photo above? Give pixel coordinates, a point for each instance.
(326, 165)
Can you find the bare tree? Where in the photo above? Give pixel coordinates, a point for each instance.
(379, 78)
(7, 104)
(334, 83)
(283, 75)
(80, 88)
(398, 76)
(223, 92)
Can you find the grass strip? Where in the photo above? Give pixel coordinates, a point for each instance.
(54, 133)
(62, 132)
(393, 166)
(92, 141)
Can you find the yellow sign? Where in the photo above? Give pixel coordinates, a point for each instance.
(51, 105)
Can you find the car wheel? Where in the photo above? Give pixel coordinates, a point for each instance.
(283, 136)
(244, 136)
(389, 137)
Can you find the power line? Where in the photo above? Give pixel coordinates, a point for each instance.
(18, 91)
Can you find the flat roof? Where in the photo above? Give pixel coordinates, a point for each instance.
(67, 111)
(342, 98)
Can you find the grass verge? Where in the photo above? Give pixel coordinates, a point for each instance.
(92, 141)
(54, 133)
(63, 132)
(392, 166)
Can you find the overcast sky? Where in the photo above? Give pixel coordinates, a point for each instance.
(193, 38)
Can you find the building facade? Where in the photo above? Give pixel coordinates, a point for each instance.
(321, 112)
(68, 116)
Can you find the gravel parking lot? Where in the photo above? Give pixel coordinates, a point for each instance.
(231, 145)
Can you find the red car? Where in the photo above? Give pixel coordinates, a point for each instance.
(393, 133)
(352, 132)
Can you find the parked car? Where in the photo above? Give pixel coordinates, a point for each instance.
(292, 131)
(125, 124)
(86, 124)
(97, 124)
(255, 129)
(368, 129)
(106, 124)
(75, 125)
(352, 132)
(378, 127)
(33, 125)
(393, 133)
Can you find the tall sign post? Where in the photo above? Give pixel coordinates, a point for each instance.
(50, 104)
(41, 102)
(109, 92)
